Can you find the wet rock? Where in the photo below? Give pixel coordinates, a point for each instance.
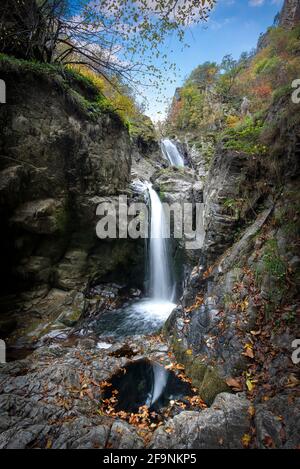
(221, 426)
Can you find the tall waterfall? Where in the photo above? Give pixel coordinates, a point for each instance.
(159, 257)
(171, 152)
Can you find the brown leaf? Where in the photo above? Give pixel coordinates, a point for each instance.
(268, 442)
(234, 383)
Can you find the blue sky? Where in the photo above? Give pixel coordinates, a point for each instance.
(233, 27)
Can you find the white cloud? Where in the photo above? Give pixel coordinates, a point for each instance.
(256, 3)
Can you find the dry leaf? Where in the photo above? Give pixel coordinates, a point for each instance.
(246, 439)
(249, 385)
(251, 411)
(234, 383)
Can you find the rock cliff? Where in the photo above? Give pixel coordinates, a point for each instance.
(61, 150)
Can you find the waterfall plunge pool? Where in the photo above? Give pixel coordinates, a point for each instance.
(141, 317)
(146, 383)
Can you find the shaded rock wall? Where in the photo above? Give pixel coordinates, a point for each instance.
(59, 153)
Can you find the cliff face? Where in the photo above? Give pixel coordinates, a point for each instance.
(60, 153)
(238, 313)
(290, 14)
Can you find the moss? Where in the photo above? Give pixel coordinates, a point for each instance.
(245, 138)
(212, 385)
(162, 195)
(78, 90)
(284, 90)
(203, 377)
(273, 262)
(69, 319)
(142, 130)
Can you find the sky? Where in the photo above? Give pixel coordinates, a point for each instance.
(234, 26)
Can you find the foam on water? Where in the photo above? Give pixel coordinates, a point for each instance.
(140, 317)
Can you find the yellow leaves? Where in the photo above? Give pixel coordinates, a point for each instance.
(248, 351)
(189, 352)
(249, 385)
(246, 440)
(232, 121)
(250, 381)
(244, 305)
(251, 411)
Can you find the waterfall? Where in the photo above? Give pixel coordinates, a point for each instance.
(159, 257)
(171, 152)
(147, 315)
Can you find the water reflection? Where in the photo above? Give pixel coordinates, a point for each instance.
(146, 383)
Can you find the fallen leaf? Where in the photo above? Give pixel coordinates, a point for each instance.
(49, 443)
(169, 430)
(268, 442)
(246, 439)
(234, 383)
(249, 385)
(251, 411)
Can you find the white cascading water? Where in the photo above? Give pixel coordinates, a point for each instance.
(159, 259)
(149, 314)
(170, 150)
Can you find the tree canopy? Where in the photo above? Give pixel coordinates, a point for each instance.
(113, 37)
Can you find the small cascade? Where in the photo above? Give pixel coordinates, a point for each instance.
(171, 152)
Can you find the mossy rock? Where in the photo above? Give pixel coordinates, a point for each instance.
(212, 385)
(203, 377)
(71, 317)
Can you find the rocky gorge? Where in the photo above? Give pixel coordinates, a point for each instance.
(235, 312)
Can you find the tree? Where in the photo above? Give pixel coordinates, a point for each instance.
(113, 37)
(230, 70)
(204, 75)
